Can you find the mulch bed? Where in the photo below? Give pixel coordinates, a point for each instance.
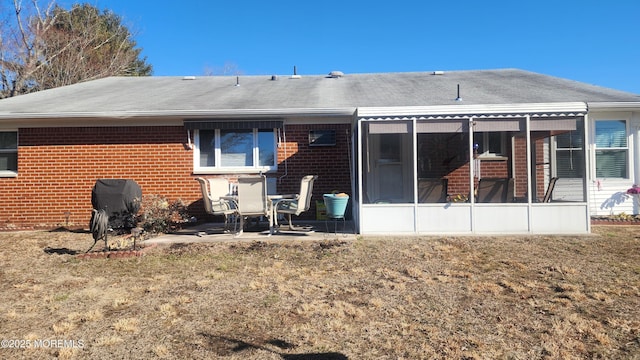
(614, 220)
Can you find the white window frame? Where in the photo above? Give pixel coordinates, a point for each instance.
(612, 117)
(554, 155)
(485, 152)
(10, 173)
(197, 169)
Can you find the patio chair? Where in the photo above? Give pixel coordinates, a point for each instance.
(432, 190)
(495, 190)
(300, 203)
(213, 205)
(252, 199)
(218, 187)
(549, 192)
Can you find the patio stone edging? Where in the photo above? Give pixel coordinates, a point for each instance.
(614, 222)
(117, 254)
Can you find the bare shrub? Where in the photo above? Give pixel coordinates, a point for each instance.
(159, 215)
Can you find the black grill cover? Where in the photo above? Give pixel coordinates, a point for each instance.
(120, 198)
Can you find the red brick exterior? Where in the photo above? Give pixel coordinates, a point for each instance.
(453, 165)
(458, 179)
(457, 171)
(330, 163)
(57, 168)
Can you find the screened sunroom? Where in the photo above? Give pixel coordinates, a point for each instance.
(508, 170)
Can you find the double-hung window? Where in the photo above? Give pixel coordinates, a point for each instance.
(8, 153)
(235, 150)
(489, 143)
(569, 154)
(490, 136)
(612, 150)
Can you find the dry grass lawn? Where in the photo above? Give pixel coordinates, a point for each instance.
(526, 297)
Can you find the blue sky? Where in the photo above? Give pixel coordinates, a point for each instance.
(592, 41)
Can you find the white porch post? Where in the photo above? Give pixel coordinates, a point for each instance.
(360, 172)
(636, 150)
(414, 135)
(529, 169)
(635, 141)
(589, 156)
(472, 195)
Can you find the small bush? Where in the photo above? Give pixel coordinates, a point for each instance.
(159, 215)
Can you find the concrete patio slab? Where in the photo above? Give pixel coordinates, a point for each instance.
(214, 232)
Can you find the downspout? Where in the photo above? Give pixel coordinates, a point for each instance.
(281, 142)
(357, 198)
(351, 166)
(351, 169)
(189, 144)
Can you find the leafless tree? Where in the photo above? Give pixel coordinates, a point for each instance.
(229, 68)
(43, 47)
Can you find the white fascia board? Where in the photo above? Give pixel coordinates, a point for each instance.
(223, 113)
(567, 107)
(271, 113)
(614, 106)
(77, 122)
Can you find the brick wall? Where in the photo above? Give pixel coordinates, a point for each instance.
(330, 163)
(57, 168)
(458, 178)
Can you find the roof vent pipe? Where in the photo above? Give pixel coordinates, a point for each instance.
(237, 80)
(295, 73)
(458, 98)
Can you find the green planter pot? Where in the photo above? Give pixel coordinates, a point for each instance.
(336, 205)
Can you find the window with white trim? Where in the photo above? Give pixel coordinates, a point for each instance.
(569, 154)
(489, 143)
(612, 149)
(235, 149)
(8, 152)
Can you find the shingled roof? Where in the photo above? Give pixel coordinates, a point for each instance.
(181, 96)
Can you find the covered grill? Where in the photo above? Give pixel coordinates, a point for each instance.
(120, 199)
(115, 205)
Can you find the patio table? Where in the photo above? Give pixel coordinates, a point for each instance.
(272, 199)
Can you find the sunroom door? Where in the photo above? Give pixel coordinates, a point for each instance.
(569, 160)
(389, 175)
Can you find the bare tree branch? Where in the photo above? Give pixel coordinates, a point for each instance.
(47, 46)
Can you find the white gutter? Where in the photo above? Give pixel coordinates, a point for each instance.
(192, 114)
(615, 105)
(456, 109)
